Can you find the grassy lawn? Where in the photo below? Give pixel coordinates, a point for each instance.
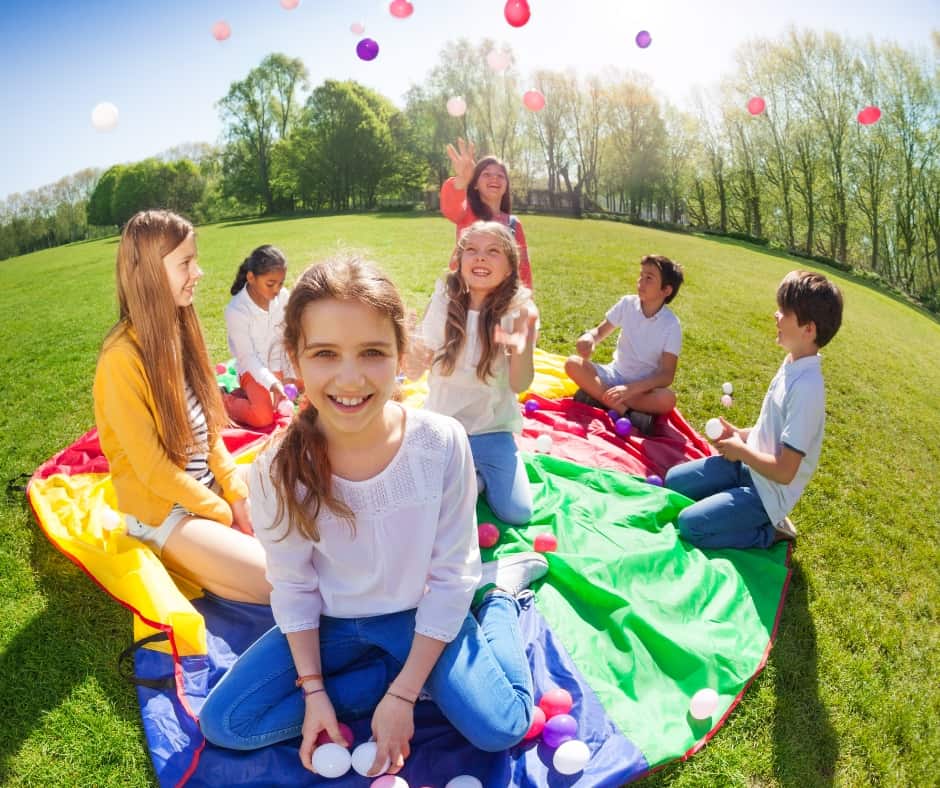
(846, 698)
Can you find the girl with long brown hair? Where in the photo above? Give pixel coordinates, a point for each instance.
(159, 416)
(367, 514)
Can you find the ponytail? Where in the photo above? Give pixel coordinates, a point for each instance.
(241, 278)
(260, 261)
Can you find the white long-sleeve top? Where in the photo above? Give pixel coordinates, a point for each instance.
(255, 336)
(414, 545)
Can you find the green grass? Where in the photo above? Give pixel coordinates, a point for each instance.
(849, 696)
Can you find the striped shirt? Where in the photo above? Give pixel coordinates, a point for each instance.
(197, 461)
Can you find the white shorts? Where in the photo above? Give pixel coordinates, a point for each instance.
(155, 536)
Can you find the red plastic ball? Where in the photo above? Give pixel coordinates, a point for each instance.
(220, 369)
(556, 701)
(487, 534)
(401, 9)
(538, 722)
(517, 12)
(756, 105)
(546, 543)
(869, 115)
(324, 737)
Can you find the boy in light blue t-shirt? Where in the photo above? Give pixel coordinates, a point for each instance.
(743, 497)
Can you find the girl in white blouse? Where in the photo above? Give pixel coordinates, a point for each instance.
(366, 511)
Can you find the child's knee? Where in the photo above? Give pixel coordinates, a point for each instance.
(500, 733)
(512, 512)
(688, 528)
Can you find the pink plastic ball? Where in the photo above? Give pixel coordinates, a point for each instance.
(556, 701)
(538, 722)
(324, 737)
(558, 729)
(289, 5)
(869, 115)
(546, 543)
(367, 49)
(643, 39)
(220, 369)
(221, 30)
(756, 105)
(357, 28)
(487, 534)
(517, 12)
(389, 781)
(726, 400)
(533, 100)
(401, 9)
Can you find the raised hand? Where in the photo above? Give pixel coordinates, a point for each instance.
(463, 158)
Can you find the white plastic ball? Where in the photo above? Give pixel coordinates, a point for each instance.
(543, 443)
(456, 106)
(498, 61)
(104, 117)
(703, 704)
(571, 757)
(389, 781)
(727, 388)
(464, 781)
(364, 756)
(713, 429)
(726, 400)
(331, 760)
(110, 519)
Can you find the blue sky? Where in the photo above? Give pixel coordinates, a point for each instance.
(159, 64)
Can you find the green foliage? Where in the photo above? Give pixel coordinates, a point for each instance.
(99, 205)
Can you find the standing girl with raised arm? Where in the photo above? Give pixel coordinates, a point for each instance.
(366, 511)
(253, 318)
(159, 417)
(478, 337)
(480, 191)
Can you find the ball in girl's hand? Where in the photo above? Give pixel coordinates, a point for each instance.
(367, 49)
(558, 729)
(545, 543)
(726, 400)
(290, 391)
(221, 30)
(324, 737)
(531, 405)
(517, 12)
(571, 757)
(285, 407)
(714, 428)
(464, 781)
(703, 704)
(622, 426)
(487, 534)
(533, 100)
(538, 722)
(543, 443)
(655, 480)
(331, 760)
(727, 388)
(555, 701)
(456, 106)
(364, 756)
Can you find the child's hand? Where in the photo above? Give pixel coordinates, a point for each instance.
(318, 715)
(277, 389)
(585, 346)
(463, 157)
(617, 396)
(727, 429)
(241, 517)
(732, 448)
(392, 726)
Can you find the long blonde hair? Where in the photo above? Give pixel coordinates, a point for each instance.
(507, 295)
(168, 337)
(300, 471)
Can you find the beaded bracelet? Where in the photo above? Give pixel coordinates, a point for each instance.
(308, 677)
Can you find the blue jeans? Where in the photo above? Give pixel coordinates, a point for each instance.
(507, 484)
(481, 681)
(728, 511)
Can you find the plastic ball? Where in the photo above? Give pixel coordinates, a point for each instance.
(727, 388)
(464, 781)
(290, 391)
(487, 534)
(498, 61)
(367, 49)
(655, 480)
(289, 5)
(545, 543)
(756, 105)
(357, 28)
(622, 426)
(571, 757)
(703, 704)
(110, 519)
(285, 407)
(389, 781)
(726, 400)
(456, 106)
(543, 443)
(104, 116)
(555, 701)
(643, 39)
(614, 415)
(331, 760)
(324, 737)
(517, 12)
(401, 9)
(220, 369)
(364, 756)
(533, 100)
(869, 115)
(531, 405)
(558, 729)
(714, 428)
(221, 30)
(538, 722)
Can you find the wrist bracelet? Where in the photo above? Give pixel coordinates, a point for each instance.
(307, 693)
(400, 697)
(307, 677)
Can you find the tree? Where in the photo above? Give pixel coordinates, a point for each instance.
(99, 203)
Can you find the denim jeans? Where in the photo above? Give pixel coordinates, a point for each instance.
(481, 681)
(728, 511)
(507, 484)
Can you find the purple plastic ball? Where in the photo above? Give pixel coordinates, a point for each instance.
(643, 39)
(531, 406)
(623, 426)
(558, 729)
(367, 49)
(290, 391)
(613, 415)
(654, 480)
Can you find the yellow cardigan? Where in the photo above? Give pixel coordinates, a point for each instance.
(147, 482)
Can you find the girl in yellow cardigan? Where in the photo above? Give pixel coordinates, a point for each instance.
(159, 416)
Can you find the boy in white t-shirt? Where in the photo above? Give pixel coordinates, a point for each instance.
(744, 496)
(637, 381)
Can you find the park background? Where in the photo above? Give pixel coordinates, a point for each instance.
(849, 696)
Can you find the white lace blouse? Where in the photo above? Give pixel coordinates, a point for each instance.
(414, 544)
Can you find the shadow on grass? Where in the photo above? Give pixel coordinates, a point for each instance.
(402, 214)
(68, 647)
(805, 745)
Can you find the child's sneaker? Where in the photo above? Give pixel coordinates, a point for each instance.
(784, 531)
(513, 573)
(586, 399)
(644, 422)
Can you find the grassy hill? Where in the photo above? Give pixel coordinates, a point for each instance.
(850, 695)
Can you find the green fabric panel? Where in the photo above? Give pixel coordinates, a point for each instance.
(648, 619)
